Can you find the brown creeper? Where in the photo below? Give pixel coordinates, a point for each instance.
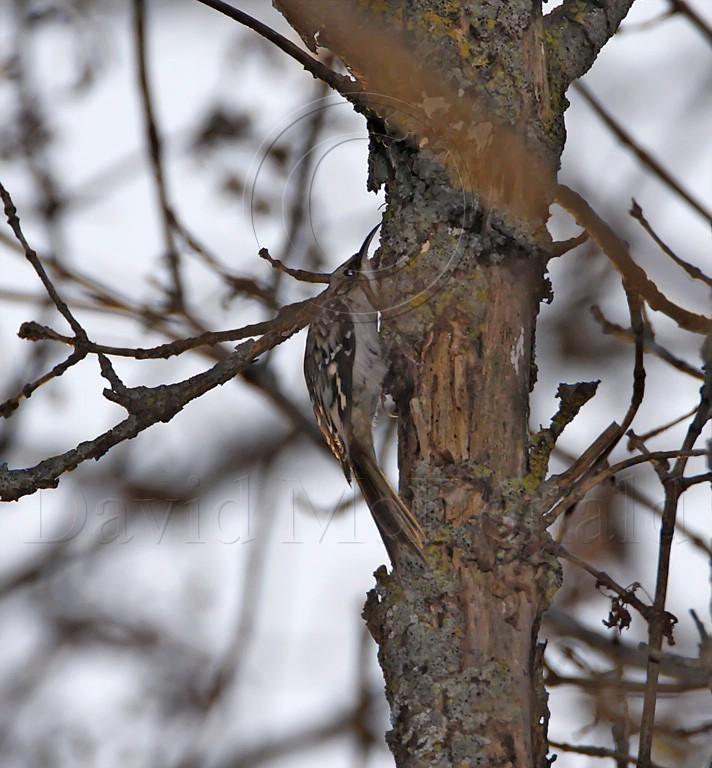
(344, 372)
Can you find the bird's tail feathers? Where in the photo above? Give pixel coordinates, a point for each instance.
(395, 521)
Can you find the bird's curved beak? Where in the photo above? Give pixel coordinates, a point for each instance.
(363, 254)
(363, 250)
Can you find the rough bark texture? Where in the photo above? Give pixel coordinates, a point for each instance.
(458, 642)
(464, 239)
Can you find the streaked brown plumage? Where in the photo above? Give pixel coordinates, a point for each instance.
(344, 371)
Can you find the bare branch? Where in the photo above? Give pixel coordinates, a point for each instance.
(291, 744)
(627, 595)
(155, 151)
(643, 155)
(699, 625)
(572, 398)
(674, 487)
(13, 403)
(694, 272)
(590, 457)
(600, 683)
(564, 246)
(343, 85)
(651, 346)
(687, 669)
(298, 274)
(684, 8)
(31, 255)
(611, 436)
(694, 731)
(299, 209)
(580, 489)
(149, 405)
(617, 251)
(704, 477)
(636, 324)
(237, 283)
(228, 674)
(668, 425)
(36, 332)
(601, 752)
(628, 490)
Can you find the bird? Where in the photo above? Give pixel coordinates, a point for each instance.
(344, 369)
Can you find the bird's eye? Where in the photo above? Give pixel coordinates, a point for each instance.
(350, 272)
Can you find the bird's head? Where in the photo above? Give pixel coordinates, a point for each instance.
(356, 272)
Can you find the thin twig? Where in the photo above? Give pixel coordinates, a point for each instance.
(636, 443)
(602, 752)
(103, 293)
(36, 332)
(226, 677)
(304, 176)
(31, 255)
(627, 595)
(339, 83)
(638, 392)
(617, 251)
(599, 684)
(686, 669)
(695, 730)
(628, 490)
(254, 376)
(42, 300)
(292, 744)
(298, 274)
(674, 487)
(587, 460)
(155, 152)
(688, 482)
(682, 7)
(13, 403)
(693, 271)
(564, 246)
(150, 405)
(699, 626)
(238, 283)
(669, 425)
(645, 157)
(602, 446)
(580, 489)
(651, 346)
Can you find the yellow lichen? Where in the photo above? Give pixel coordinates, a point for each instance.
(480, 471)
(435, 21)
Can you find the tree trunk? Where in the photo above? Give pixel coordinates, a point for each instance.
(458, 641)
(468, 101)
